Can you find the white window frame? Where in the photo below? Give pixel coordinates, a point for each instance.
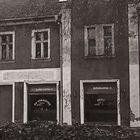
(25, 99)
(117, 81)
(13, 97)
(99, 37)
(33, 50)
(13, 39)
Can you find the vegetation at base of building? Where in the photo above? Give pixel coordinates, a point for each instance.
(44, 130)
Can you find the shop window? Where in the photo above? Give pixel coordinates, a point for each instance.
(6, 46)
(41, 44)
(99, 40)
(100, 102)
(42, 102)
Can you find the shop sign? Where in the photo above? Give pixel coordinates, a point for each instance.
(42, 88)
(99, 88)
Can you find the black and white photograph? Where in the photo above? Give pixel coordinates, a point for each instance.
(69, 69)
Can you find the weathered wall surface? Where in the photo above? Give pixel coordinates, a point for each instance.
(111, 12)
(66, 65)
(23, 47)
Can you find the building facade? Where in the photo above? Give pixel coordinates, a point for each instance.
(66, 62)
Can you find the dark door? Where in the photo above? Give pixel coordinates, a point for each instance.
(5, 103)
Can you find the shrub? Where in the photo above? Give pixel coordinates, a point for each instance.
(43, 130)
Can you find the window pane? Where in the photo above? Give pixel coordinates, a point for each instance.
(91, 47)
(45, 49)
(42, 107)
(10, 52)
(38, 36)
(107, 30)
(100, 108)
(108, 46)
(3, 52)
(38, 50)
(45, 35)
(10, 38)
(3, 38)
(91, 33)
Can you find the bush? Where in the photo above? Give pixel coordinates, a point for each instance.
(36, 130)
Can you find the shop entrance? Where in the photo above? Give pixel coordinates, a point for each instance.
(42, 102)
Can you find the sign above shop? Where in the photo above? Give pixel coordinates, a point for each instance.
(95, 88)
(100, 88)
(42, 88)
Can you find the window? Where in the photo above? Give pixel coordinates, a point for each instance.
(99, 40)
(7, 46)
(43, 102)
(41, 44)
(99, 101)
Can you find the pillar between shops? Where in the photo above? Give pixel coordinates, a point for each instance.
(66, 64)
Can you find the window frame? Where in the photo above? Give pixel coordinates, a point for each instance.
(101, 40)
(117, 81)
(13, 45)
(33, 47)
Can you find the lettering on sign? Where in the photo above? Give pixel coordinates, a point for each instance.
(95, 88)
(42, 89)
(42, 102)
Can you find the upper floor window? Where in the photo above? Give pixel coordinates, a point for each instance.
(7, 41)
(41, 44)
(99, 40)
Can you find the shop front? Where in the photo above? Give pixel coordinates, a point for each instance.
(42, 101)
(28, 95)
(100, 102)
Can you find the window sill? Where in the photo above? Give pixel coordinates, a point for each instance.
(100, 57)
(41, 59)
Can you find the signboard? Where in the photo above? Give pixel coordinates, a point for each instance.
(100, 88)
(42, 88)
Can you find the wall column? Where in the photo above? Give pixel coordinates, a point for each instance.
(134, 67)
(66, 65)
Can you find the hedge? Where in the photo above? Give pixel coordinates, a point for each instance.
(44, 130)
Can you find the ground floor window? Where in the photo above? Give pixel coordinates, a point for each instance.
(42, 102)
(100, 102)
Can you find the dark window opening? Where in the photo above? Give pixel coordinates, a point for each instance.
(100, 102)
(42, 102)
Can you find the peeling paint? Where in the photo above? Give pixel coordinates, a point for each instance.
(66, 65)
